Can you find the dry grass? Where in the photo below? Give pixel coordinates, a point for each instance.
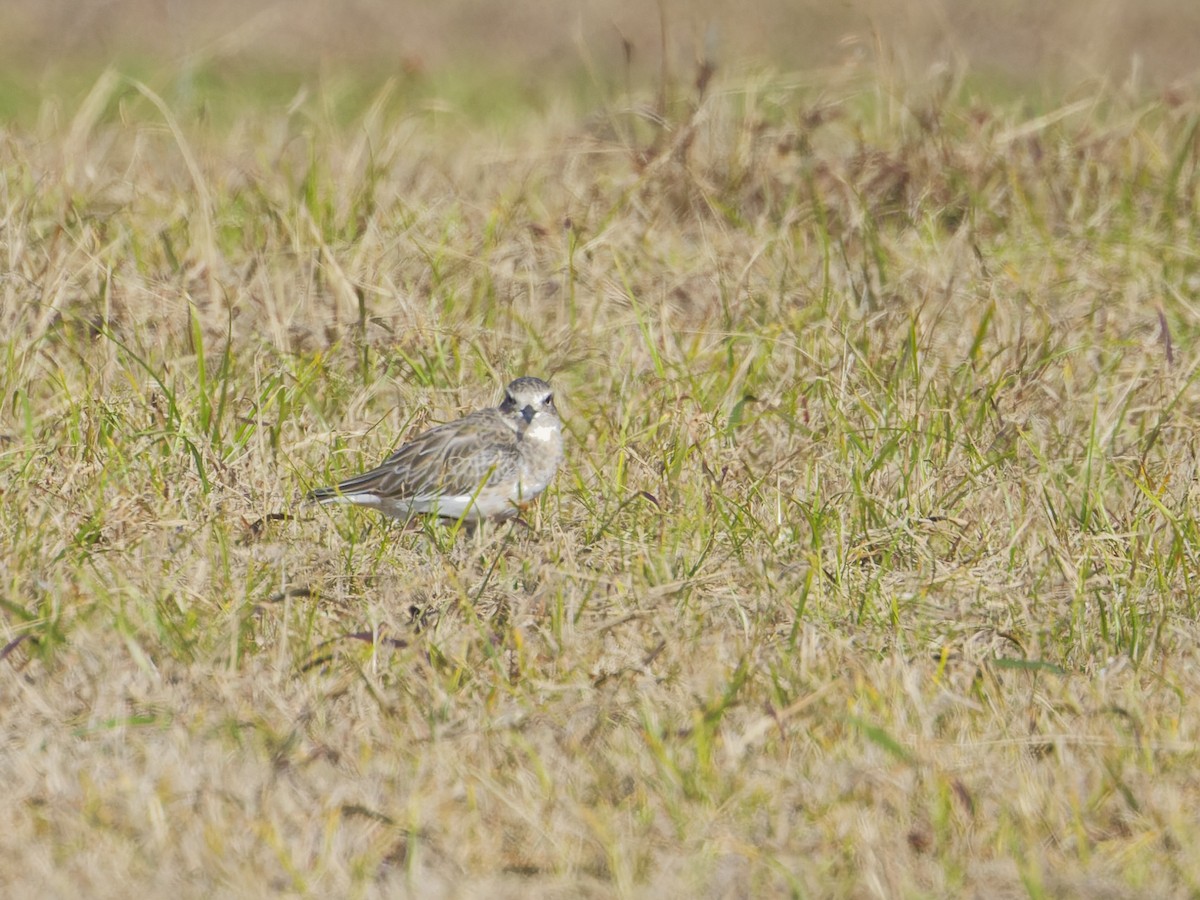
(872, 571)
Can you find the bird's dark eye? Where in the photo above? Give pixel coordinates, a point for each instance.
(550, 400)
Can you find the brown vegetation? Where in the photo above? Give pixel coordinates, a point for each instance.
(871, 572)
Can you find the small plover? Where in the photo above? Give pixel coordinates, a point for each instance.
(486, 465)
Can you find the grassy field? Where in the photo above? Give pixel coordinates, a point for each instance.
(872, 571)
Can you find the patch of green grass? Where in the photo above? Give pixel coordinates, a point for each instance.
(870, 569)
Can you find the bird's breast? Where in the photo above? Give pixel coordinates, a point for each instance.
(542, 433)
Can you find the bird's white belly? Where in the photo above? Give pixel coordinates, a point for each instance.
(458, 506)
(452, 506)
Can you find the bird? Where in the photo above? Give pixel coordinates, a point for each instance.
(486, 465)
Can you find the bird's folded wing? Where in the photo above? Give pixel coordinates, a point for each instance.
(451, 459)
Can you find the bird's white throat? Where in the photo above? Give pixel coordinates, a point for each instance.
(541, 433)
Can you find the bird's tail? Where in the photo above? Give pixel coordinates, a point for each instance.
(325, 495)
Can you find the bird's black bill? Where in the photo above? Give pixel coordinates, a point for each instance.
(527, 414)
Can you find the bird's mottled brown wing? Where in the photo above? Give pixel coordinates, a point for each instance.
(450, 459)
